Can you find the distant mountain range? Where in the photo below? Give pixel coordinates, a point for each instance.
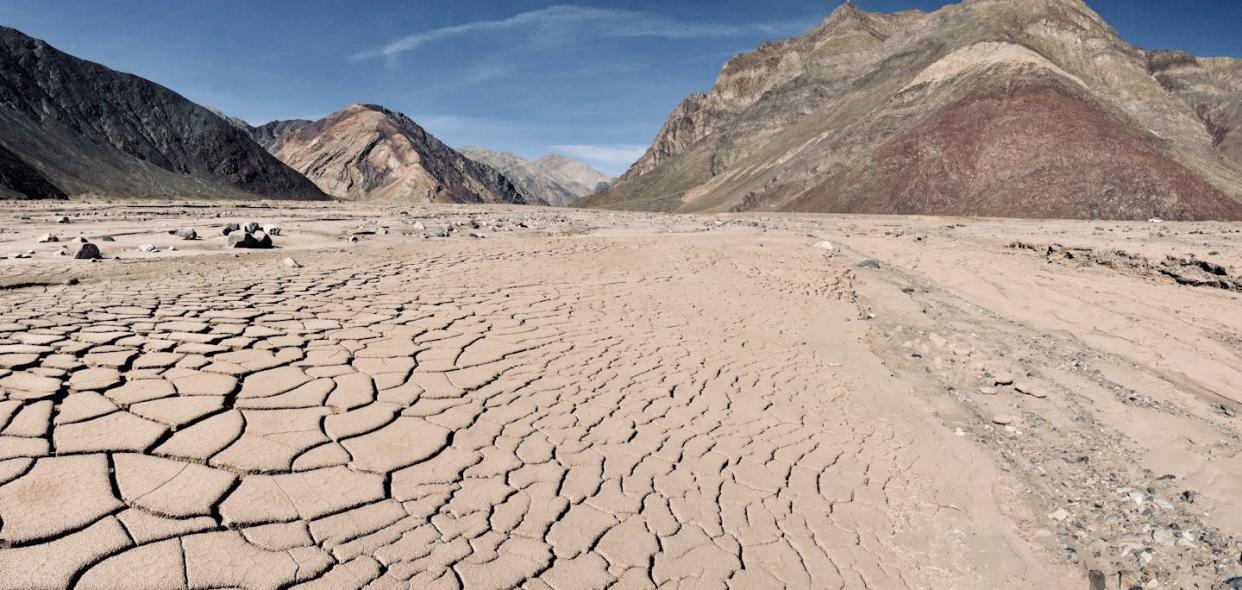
(558, 180)
(369, 152)
(1016, 108)
(72, 127)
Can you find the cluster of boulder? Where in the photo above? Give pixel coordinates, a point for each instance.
(252, 235)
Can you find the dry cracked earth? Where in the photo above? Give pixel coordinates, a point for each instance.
(583, 400)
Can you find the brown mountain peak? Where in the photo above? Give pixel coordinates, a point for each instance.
(1013, 108)
(367, 151)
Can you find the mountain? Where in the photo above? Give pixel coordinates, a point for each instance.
(369, 152)
(1016, 108)
(72, 127)
(556, 179)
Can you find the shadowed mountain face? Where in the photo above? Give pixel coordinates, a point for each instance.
(369, 152)
(1019, 108)
(19, 180)
(556, 179)
(69, 127)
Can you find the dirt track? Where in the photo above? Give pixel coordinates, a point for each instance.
(628, 400)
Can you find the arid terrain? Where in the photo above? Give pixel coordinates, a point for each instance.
(575, 399)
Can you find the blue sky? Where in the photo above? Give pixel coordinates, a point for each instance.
(584, 78)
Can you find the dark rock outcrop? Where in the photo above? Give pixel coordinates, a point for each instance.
(86, 129)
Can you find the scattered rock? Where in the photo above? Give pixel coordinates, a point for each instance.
(1004, 379)
(291, 263)
(1061, 515)
(71, 281)
(1189, 496)
(252, 227)
(148, 248)
(185, 233)
(875, 264)
(825, 246)
(48, 238)
(1030, 389)
(272, 230)
(1096, 580)
(63, 220)
(1002, 420)
(988, 391)
(418, 225)
(107, 239)
(230, 228)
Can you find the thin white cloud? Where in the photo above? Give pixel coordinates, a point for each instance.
(565, 20)
(612, 157)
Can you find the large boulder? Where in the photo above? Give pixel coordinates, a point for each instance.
(185, 233)
(262, 239)
(230, 228)
(88, 251)
(241, 239)
(256, 240)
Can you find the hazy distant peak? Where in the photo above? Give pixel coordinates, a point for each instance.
(555, 178)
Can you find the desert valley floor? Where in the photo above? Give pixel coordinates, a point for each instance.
(572, 399)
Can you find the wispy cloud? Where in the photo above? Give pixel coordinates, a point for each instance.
(469, 76)
(613, 157)
(566, 20)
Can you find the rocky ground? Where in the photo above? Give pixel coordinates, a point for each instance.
(572, 399)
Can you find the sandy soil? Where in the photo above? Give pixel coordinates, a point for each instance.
(590, 400)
